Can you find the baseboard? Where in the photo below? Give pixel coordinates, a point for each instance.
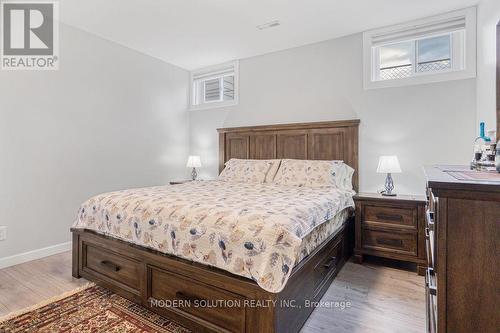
(35, 254)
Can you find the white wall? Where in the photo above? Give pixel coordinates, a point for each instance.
(422, 124)
(110, 118)
(488, 16)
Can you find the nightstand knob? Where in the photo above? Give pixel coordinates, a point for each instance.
(330, 262)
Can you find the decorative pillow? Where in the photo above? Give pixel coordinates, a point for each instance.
(249, 171)
(315, 173)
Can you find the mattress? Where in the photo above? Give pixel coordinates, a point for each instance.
(259, 231)
(319, 234)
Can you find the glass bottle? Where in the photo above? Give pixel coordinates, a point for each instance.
(479, 146)
(497, 157)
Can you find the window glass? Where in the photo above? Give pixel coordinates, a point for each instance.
(228, 85)
(433, 54)
(396, 60)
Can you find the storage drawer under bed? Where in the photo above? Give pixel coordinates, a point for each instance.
(111, 267)
(220, 310)
(326, 266)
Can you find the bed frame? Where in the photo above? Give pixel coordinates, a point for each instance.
(207, 299)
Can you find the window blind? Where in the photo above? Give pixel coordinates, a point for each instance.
(212, 90)
(207, 75)
(417, 31)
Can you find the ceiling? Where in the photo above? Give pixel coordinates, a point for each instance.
(197, 33)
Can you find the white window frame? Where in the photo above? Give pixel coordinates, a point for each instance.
(468, 70)
(207, 73)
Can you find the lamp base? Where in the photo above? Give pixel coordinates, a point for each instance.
(389, 186)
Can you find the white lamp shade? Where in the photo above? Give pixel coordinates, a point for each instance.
(193, 162)
(388, 164)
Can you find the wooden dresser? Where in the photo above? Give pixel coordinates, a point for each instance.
(391, 227)
(462, 237)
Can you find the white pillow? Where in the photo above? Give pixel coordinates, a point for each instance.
(343, 177)
(315, 173)
(249, 171)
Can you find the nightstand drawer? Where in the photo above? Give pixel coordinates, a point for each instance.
(390, 215)
(396, 242)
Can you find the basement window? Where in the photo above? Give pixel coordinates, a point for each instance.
(215, 86)
(435, 49)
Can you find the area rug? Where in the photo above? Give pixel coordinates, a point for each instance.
(89, 309)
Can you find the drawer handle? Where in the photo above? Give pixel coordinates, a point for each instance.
(427, 252)
(390, 217)
(387, 241)
(110, 265)
(187, 297)
(331, 262)
(430, 218)
(432, 287)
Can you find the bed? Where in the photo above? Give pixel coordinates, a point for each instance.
(211, 283)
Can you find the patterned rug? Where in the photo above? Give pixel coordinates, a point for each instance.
(93, 309)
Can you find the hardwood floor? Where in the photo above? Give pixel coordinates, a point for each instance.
(33, 282)
(383, 299)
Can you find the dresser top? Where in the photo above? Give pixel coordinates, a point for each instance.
(398, 197)
(450, 177)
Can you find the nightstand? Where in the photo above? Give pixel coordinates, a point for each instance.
(178, 182)
(391, 227)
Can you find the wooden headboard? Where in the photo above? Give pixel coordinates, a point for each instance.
(331, 140)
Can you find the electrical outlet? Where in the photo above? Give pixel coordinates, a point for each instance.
(3, 233)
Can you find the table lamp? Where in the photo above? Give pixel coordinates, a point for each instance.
(194, 162)
(388, 165)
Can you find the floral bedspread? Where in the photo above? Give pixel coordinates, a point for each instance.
(252, 230)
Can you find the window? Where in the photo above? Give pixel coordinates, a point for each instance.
(215, 86)
(430, 50)
(417, 56)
